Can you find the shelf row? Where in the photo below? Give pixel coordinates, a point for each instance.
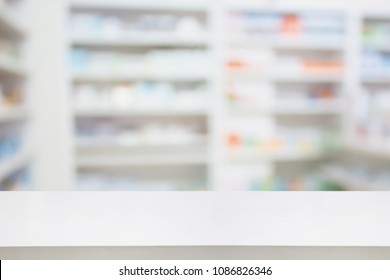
(173, 41)
(129, 62)
(115, 113)
(128, 160)
(15, 159)
(14, 164)
(10, 67)
(11, 26)
(13, 115)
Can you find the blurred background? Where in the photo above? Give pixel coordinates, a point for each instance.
(167, 95)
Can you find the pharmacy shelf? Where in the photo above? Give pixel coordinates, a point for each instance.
(14, 164)
(9, 26)
(121, 153)
(110, 77)
(289, 45)
(12, 115)
(10, 67)
(369, 153)
(120, 113)
(145, 41)
(350, 183)
(254, 156)
(273, 53)
(376, 15)
(287, 78)
(176, 5)
(114, 161)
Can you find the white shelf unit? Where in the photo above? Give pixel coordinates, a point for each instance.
(217, 159)
(366, 143)
(15, 138)
(132, 157)
(241, 94)
(209, 155)
(9, 68)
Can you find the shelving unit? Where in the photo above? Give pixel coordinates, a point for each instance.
(317, 83)
(284, 85)
(15, 140)
(135, 75)
(364, 166)
(291, 110)
(146, 113)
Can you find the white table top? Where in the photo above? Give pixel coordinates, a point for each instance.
(186, 218)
